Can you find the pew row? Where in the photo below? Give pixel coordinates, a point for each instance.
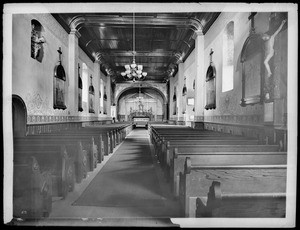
(221, 158)
(240, 205)
(79, 151)
(196, 180)
(32, 194)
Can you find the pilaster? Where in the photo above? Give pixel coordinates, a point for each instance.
(73, 72)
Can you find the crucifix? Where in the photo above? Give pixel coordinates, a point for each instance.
(91, 80)
(60, 53)
(210, 54)
(251, 17)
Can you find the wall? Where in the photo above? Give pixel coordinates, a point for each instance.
(33, 80)
(228, 109)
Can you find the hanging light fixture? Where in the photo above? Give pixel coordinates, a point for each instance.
(133, 71)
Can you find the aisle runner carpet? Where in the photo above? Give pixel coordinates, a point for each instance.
(128, 179)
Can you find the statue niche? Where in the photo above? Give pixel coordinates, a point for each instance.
(37, 41)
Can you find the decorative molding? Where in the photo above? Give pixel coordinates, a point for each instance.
(198, 118)
(254, 119)
(54, 119)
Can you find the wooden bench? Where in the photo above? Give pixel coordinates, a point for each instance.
(74, 149)
(93, 142)
(221, 158)
(196, 148)
(196, 180)
(164, 150)
(240, 205)
(32, 193)
(88, 144)
(57, 162)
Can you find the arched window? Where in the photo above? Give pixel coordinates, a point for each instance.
(37, 40)
(228, 55)
(85, 87)
(79, 90)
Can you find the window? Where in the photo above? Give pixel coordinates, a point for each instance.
(228, 55)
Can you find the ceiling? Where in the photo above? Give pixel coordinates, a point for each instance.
(162, 40)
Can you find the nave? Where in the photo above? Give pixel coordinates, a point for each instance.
(214, 93)
(126, 189)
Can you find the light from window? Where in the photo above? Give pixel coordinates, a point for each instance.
(228, 54)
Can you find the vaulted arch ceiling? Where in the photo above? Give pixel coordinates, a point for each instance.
(162, 40)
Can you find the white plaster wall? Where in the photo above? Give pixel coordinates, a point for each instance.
(32, 80)
(228, 102)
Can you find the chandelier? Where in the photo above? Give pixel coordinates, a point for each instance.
(133, 71)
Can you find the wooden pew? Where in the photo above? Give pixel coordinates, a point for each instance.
(93, 142)
(240, 205)
(112, 134)
(196, 180)
(74, 149)
(88, 144)
(56, 161)
(221, 158)
(185, 147)
(32, 195)
(165, 148)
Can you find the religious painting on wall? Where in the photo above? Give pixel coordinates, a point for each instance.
(104, 101)
(174, 102)
(252, 59)
(79, 90)
(59, 85)
(184, 93)
(211, 85)
(91, 97)
(37, 40)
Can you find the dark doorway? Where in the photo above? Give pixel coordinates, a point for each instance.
(19, 116)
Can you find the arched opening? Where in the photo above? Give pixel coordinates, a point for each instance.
(141, 102)
(19, 116)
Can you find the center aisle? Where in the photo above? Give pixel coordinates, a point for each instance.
(129, 185)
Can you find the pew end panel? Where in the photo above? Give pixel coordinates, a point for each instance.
(196, 181)
(240, 205)
(32, 189)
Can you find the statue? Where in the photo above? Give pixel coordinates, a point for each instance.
(36, 42)
(269, 47)
(141, 106)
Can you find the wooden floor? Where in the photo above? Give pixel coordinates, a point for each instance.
(64, 212)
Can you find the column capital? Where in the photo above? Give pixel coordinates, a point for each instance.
(74, 31)
(197, 33)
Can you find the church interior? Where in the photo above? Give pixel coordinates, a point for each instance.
(124, 116)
